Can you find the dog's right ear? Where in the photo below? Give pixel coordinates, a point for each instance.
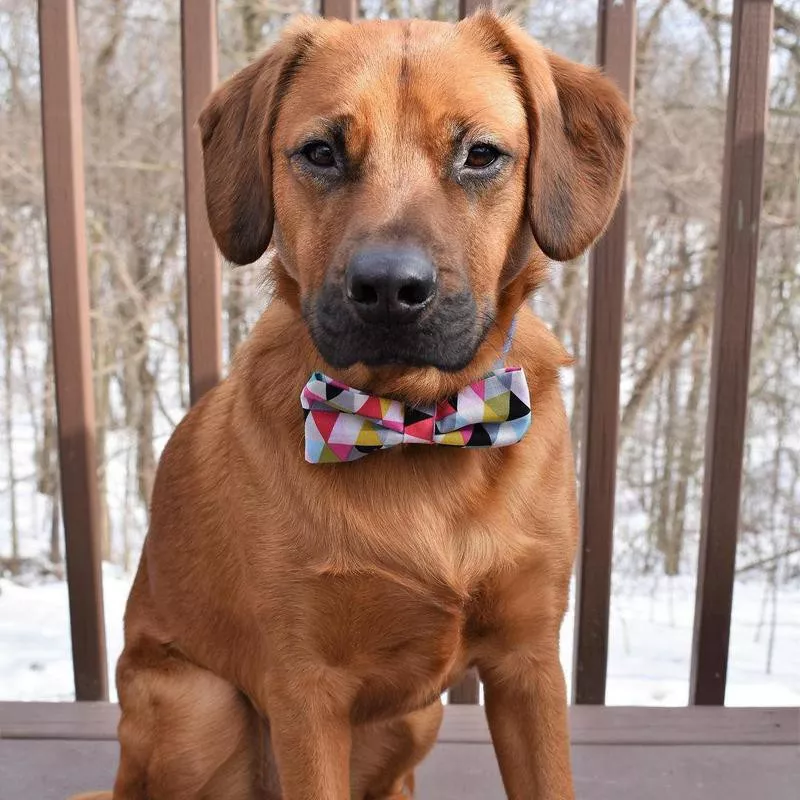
(236, 128)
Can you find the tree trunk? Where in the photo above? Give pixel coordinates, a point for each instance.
(577, 331)
(686, 466)
(47, 481)
(56, 556)
(102, 356)
(236, 311)
(9, 437)
(664, 518)
(665, 532)
(145, 433)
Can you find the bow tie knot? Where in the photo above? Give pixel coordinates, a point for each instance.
(345, 424)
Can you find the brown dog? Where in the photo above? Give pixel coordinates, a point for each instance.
(302, 620)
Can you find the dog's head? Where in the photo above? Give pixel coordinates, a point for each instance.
(412, 177)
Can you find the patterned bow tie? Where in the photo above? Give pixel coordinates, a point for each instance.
(343, 424)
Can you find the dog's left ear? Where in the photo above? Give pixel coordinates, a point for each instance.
(578, 159)
(580, 126)
(236, 128)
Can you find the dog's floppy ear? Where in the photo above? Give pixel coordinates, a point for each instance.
(578, 158)
(580, 129)
(236, 126)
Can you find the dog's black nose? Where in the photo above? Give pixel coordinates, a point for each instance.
(389, 284)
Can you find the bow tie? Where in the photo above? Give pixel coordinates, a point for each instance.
(344, 424)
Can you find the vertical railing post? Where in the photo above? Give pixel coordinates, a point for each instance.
(339, 9)
(730, 356)
(72, 347)
(616, 50)
(203, 277)
(467, 691)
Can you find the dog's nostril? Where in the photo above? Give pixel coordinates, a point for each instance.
(363, 293)
(415, 293)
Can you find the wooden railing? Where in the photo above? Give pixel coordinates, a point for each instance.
(741, 206)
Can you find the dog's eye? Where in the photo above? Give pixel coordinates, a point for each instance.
(319, 154)
(481, 156)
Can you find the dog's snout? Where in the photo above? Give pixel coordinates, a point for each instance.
(390, 284)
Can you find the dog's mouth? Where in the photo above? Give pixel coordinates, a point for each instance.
(446, 337)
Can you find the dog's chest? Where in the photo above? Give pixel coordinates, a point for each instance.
(399, 642)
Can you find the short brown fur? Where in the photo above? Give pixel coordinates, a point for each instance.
(292, 626)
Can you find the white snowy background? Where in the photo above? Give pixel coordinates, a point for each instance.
(134, 211)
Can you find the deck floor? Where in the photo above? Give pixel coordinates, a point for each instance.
(48, 751)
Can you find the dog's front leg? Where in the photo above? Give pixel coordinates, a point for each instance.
(312, 754)
(311, 740)
(526, 706)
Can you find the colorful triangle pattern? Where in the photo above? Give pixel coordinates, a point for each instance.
(345, 424)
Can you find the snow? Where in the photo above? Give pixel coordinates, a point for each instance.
(649, 643)
(36, 653)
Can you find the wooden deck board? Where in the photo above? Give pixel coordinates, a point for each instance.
(648, 754)
(644, 772)
(467, 724)
(52, 770)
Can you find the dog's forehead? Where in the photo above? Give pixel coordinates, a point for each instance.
(383, 70)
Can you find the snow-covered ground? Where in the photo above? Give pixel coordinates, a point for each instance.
(650, 642)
